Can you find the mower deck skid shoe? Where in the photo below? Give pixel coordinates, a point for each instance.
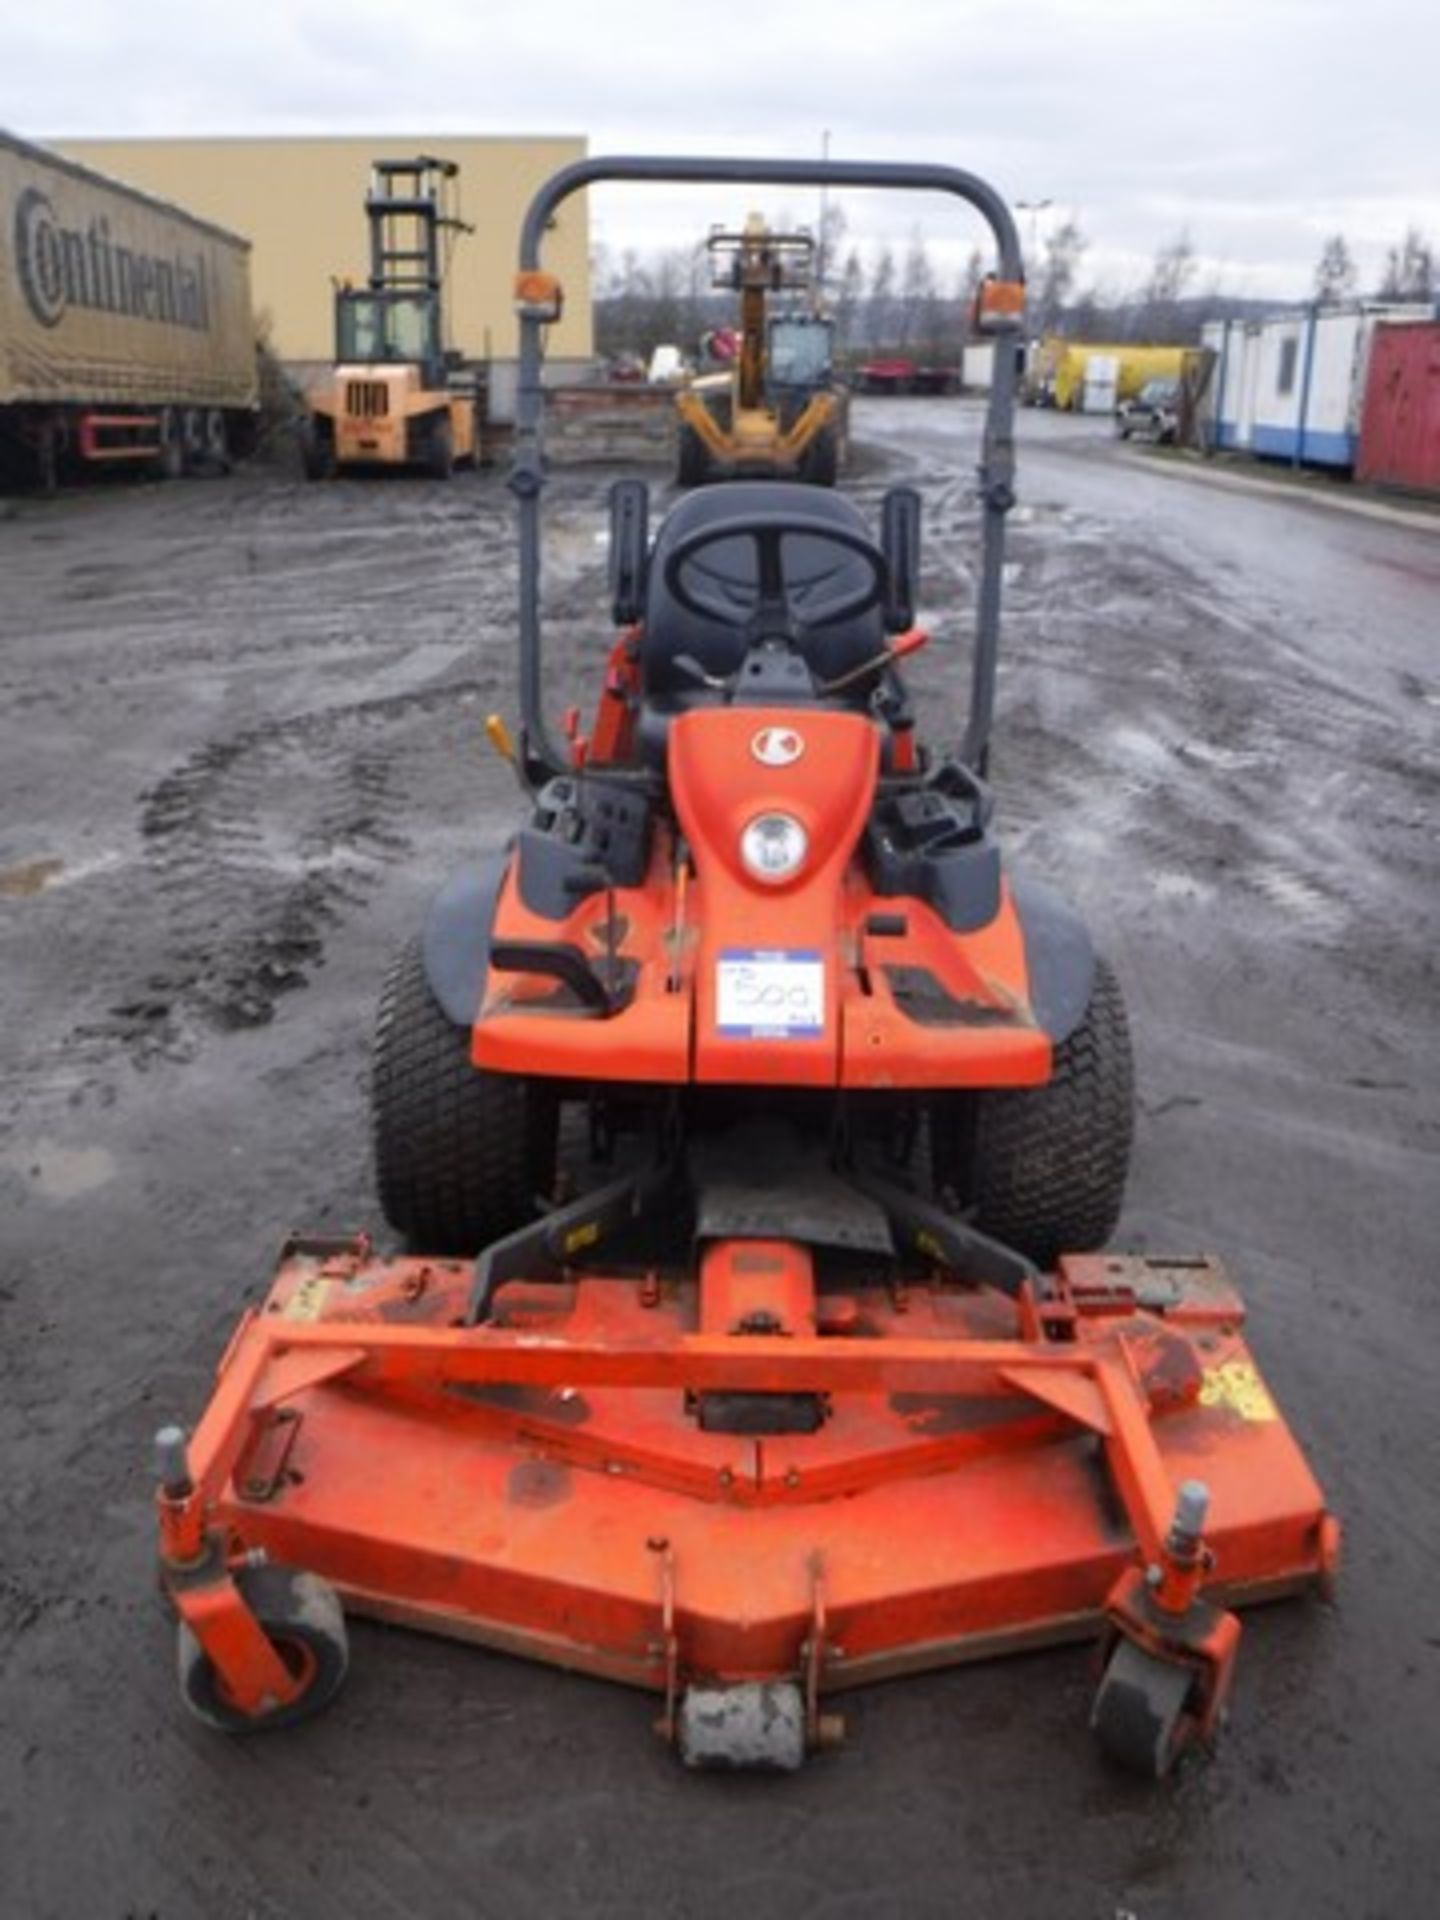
(541, 1483)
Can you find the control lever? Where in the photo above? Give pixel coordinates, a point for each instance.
(689, 665)
(900, 648)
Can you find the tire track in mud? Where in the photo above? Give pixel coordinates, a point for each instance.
(1146, 718)
(256, 850)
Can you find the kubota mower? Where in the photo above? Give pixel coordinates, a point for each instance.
(811, 1371)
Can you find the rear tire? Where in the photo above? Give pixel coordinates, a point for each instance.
(692, 463)
(1043, 1168)
(460, 1153)
(317, 450)
(821, 460)
(440, 452)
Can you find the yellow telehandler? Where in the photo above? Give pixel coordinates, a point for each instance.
(777, 413)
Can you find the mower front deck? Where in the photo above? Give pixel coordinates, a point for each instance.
(594, 1478)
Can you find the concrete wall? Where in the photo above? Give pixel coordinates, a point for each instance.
(301, 203)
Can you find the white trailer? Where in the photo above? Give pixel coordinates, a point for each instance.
(1291, 387)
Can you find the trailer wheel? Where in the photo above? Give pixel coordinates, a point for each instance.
(217, 448)
(460, 1153)
(170, 459)
(1043, 1168)
(692, 463)
(303, 1621)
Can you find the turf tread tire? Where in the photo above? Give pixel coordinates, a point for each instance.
(692, 462)
(1047, 1165)
(460, 1153)
(820, 462)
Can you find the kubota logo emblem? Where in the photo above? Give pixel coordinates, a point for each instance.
(777, 746)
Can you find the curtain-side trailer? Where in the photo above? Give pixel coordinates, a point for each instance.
(126, 332)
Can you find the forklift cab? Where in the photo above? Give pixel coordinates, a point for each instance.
(396, 329)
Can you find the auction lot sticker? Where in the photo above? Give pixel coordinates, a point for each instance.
(765, 995)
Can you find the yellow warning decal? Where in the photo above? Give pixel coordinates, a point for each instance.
(308, 1300)
(1238, 1386)
(585, 1236)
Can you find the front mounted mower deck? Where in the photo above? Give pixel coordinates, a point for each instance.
(576, 1479)
(819, 1374)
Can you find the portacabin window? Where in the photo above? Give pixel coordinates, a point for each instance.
(1289, 354)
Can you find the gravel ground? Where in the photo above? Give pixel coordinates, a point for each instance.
(243, 743)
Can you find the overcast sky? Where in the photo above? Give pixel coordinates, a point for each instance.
(1260, 126)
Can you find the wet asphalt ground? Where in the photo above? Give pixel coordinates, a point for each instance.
(242, 744)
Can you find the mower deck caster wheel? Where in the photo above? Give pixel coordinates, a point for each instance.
(302, 1616)
(1140, 1716)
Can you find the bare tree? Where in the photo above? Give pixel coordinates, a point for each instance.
(831, 230)
(880, 304)
(1084, 317)
(1173, 270)
(1058, 273)
(919, 295)
(1409, 269)
(1335, 272)
(849, 298)
(968, 286)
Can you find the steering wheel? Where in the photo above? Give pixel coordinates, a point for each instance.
(772, 597)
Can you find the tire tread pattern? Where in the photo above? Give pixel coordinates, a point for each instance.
(460, 1153)
(1049, 1164)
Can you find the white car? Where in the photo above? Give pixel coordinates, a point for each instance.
(1153, 413)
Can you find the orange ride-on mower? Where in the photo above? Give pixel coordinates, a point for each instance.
(817, 1374)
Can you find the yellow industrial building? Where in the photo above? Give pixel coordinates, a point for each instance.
(300, 201)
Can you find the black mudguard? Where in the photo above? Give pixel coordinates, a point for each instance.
(456, 940)
(1059, 956)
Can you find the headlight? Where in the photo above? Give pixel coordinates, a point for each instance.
(773, 846)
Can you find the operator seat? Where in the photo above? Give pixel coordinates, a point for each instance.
(815, 570)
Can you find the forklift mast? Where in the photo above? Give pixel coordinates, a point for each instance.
(756, 263)
(407, 210)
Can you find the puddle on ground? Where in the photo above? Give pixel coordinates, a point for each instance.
(59, 1172)
(39, 876)
(33, 877)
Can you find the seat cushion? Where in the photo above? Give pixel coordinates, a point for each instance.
(815, 571)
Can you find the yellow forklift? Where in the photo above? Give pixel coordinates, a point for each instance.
(396, 396)
(778, 412)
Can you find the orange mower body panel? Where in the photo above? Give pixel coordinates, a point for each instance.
(534, 1484)
(711, 950)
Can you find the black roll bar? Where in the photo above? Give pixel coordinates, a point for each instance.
(540, 754)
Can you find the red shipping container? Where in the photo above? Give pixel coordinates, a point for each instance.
(1400, 426)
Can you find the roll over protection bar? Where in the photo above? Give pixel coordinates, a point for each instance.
(540, 754)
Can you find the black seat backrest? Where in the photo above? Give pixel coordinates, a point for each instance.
(814, 569)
